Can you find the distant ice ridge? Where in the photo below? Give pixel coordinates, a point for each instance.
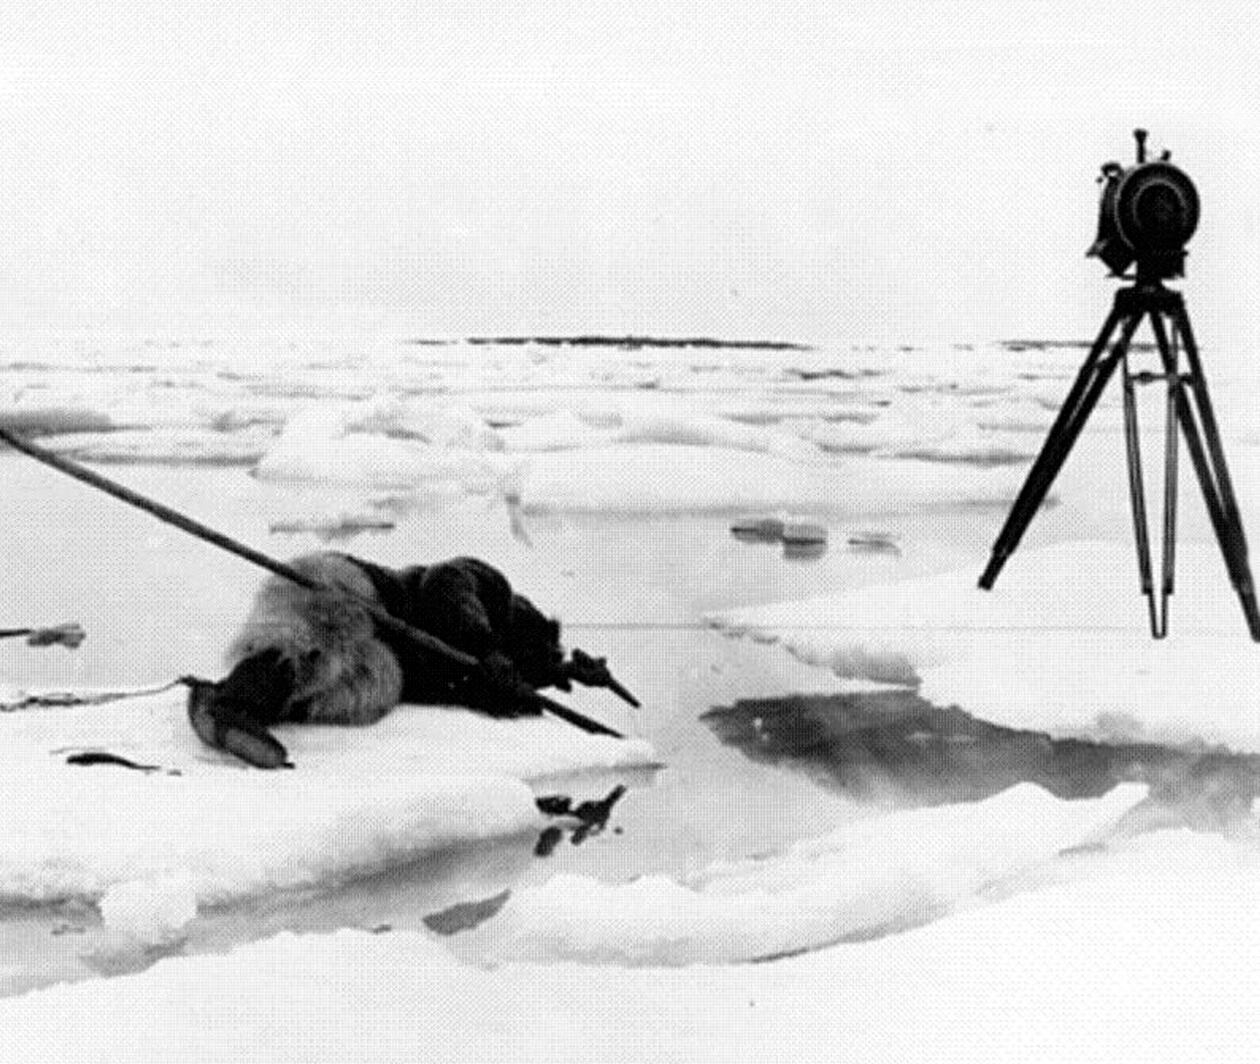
(1060, 644)
(447, 409)
(645, 456)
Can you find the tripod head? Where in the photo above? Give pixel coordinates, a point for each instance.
(1147, 215)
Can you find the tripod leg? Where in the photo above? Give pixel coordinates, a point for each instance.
(1137, 499)
(1218, 489)
(1170, 479)
(1190, 428)
(1080, 402)
(1194, 410)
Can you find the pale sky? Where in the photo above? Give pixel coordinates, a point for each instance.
(812, 171)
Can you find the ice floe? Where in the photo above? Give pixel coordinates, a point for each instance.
(360, 801)
(872, 877)
(1060, 644)
(166, 446)
(674, 478)
(313, 410)
(1152, 957)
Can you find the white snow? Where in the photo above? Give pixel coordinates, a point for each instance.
(155, 911)
(701, 430)
(306, 413)
(438, 777)
(1154, 958)
(562, 430)
(172, 445)
(637, 457)
(863, 880)
(1052, 931)
(371, 462)
(675, 478)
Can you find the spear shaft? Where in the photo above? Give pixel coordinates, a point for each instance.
(385, 620)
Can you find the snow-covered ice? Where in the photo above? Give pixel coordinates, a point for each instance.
(1150, 958)
(880, 875)
(556, 426)
(154, 911)
(1059, 643)
(1020, 926)
(672, 478)
(439, 777)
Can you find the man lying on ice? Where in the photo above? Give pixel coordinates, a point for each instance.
(317, 655)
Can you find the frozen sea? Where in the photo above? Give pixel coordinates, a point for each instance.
(866, 765)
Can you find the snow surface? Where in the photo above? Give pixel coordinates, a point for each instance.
(170, 445)
(438, 777)
(558, 429)
(861, 881)
(1152, 957)
(1054, 930)
(663, 478)
(1059, 643)
(651, 463)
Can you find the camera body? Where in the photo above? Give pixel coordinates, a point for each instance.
(1147, 215)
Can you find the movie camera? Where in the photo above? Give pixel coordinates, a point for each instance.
(1147, 215)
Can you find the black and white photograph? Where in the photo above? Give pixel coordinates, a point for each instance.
(661, 532)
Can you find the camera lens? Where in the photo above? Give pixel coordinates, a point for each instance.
(1157, 209)
(1158, 213)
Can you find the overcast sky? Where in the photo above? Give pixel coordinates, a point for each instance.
(830, 171)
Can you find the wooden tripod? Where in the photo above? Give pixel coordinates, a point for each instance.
(1189, 407)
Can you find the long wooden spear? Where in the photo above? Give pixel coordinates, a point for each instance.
(416, 636)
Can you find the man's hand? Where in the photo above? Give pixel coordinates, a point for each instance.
(593, 672)
(497, 688)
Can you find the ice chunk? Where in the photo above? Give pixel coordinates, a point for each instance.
(167, 446)
(152, 911)
(1060, 969)
(890, 872)
(451, 425)
(375, 462)
(671, 478)
(698, 430)
(51, 418)
(893, 430)
(384, 443)
(970, 444)
(558, 431)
